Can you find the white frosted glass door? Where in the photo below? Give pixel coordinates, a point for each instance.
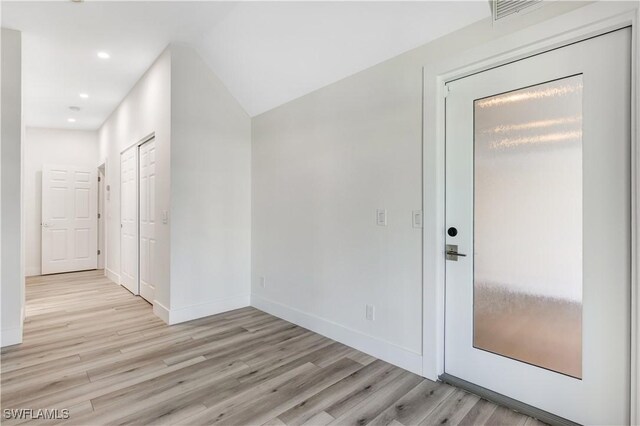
(538, 230)
(528, 225)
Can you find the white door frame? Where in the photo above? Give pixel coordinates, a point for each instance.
(135, 145)
(102, 207)
(580, 24)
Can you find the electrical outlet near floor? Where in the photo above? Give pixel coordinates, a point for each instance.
(263, 282)
(370, 313)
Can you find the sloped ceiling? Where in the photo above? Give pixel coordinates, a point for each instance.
(266, 53)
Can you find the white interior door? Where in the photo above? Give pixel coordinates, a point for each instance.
(129, 220)
(538, 197)
(147, 167)
(69, 219)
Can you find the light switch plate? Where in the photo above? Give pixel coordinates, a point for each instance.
(417, 218)
(381, 217)
(370, 312)
(165, 217)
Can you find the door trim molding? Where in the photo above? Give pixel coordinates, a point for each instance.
(577, 25)
(139, 142)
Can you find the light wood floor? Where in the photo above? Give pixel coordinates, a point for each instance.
(93, 348)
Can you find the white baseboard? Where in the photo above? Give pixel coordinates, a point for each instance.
(386, 351)
(201, 310)
(112, 275)
(10, 336)
(161, 311)
(32, 271)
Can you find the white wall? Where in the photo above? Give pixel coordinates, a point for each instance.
(145, 110)
(12, 263)
(210, 192)
(49, 146)
(203, 145)
(321, 166)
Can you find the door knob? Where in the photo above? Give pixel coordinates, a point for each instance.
(451, 252)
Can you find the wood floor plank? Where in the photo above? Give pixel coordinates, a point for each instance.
(452, 410)
(93, 348)
(274, 422)
(362, 358)
(221, 407)
(321, 419)
(479, 413)
(371, 407)
(292, 392)
(345, 389)
(364, 391)
(533, 422)
(505, 417)
(44, 388)
(172, 382)
(415, 405)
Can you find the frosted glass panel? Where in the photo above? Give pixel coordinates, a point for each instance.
(528, 225)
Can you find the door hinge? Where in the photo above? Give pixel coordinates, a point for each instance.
(98, 215)
(99, 179)
(98, 252)
(446, 91)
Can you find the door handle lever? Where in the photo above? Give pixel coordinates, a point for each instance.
(452, 252)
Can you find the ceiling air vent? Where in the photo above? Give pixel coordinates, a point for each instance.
(504, 8)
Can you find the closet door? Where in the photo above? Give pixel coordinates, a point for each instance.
(129, 220)
(147, 244)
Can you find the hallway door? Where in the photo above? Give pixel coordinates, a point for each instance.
(538, 216)
(129, 220)
(69, 219)
(147, 167)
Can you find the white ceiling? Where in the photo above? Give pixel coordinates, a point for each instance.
(267, 53)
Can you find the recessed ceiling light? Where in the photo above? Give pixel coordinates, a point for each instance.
(103, 55)
(84, 95)
(71, 120)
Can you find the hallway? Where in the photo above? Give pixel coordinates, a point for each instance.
(93, 348)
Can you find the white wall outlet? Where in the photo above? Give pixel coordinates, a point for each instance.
(381, 217)
(370, 313)
(417, 218)
(263, 282)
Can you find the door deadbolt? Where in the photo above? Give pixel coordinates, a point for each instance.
(452, 232)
